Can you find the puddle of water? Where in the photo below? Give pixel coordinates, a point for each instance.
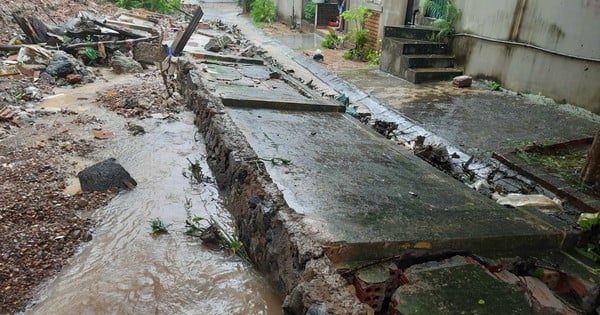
(125, 270)
(301, 41)
(82, 98)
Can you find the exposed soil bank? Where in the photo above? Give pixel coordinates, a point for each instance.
(273, 233)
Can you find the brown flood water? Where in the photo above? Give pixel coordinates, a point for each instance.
(126, 270)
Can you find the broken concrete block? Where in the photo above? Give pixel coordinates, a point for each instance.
(462, 81)
(149, 53)
(105, 175)
(459, 289)
(123, 64)
(375, 283)
(542, 298)
(216, 44)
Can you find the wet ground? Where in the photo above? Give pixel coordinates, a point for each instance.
(126, 269)
(476, 119)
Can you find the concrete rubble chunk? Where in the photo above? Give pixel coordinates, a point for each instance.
(542, 298)
(149, 53)
(218, 43)
(458, 289)
(462, 81)
(123, 64)
(105, 175)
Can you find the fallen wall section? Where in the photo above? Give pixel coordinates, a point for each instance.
(274, 235)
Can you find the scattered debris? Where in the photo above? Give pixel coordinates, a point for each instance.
(436, 154)
(135, 129)
(385, 128)
(520, 200)
(101, 135)
(218, 43)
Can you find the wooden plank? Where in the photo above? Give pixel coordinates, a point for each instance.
(180, 42)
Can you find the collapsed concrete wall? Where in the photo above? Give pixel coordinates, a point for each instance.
(272, 232)
(563, 65)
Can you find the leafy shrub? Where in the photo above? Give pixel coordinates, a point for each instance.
(309, 11)
(446, 15)
(263, 11)
(373, 57)
(162, 6)
(359, 35)
(332, 40)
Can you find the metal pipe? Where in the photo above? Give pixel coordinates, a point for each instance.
(546, 50)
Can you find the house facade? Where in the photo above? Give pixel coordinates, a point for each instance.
(547, 47)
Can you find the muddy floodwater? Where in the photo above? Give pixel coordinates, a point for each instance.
(125, 269)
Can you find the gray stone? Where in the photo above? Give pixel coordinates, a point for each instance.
(105, 175)
(63, 64)
(317, 309)
(123, 64)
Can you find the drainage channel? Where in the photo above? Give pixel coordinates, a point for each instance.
(126, 270)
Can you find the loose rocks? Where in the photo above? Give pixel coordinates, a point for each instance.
(104, 176)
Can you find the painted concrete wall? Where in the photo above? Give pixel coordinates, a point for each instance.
(566, 26)
(285, 9)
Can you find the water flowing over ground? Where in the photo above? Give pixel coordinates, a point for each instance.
(127, 270)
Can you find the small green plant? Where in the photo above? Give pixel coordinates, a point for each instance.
(158, 226)
(373, 57)
(495, 86)
(196, 170)
(263, 11)
(359, 35)
(446, 15)
(309, 11)
(348, 55)
(332, 40)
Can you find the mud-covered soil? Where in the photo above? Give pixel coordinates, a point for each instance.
(41, 225)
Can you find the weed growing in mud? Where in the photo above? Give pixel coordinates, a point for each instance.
(196, 170)
(213, 234)
(158, 226)
(495, 86)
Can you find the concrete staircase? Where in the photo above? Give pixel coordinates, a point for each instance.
(409, 52)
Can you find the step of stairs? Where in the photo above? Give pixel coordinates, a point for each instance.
(428, 61)
(410, 32)
(420, 75)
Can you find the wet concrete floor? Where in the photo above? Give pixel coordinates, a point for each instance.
(476, 118)
(359, 190)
